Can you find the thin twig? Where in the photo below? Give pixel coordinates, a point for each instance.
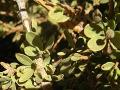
(58, 41)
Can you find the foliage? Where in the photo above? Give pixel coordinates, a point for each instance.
(73, 44)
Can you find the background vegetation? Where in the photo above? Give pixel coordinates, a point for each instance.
(60, 44)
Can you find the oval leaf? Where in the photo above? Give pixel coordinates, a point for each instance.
(89, 31)
(27, 74)
(94, 45)
(107, 66)
(30, 37)
(56, 15)
(25, 60)
(30, 51)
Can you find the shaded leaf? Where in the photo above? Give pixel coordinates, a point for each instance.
(69, 38)
(58, 77)
(50, 42)
(30, 37)
(116, 40)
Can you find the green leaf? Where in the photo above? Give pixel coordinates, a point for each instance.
(65, 67)
(14, 64)
(82, 67)
(71, 69)
(30, 51)
(30, 37)
(92, 31)
(50, 42)
(47, 60)
(96, 44)
(38, 79)
(76, 57)
(58, 77)
(56, 15)
(29, 85)
(13, 86)
(26, 74)
(116, 40)
(50, 69)
(25, 60)
(4, 78)
(118, 71)
(112, 24)
(6, 85)
(117, 17)
(107, 66)
(104, 1)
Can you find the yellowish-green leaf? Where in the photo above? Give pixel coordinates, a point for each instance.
(104, 1)
(107, 66)
(96, 44)
(90, 32)
(30, 37)
(27, 74)
(30, 51)
(56, 15)
(25, 60)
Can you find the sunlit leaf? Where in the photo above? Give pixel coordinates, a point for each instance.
(30, 51)
(4, 78)
(96, 44)
(6, 85)
(75, 58)
(56, 15)
(47, 60)
(104, 1)
(92, 31)
(25, 60)
(107, 66)
(29, 84)
(61, 54)
(118, 71)
(27, 74)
